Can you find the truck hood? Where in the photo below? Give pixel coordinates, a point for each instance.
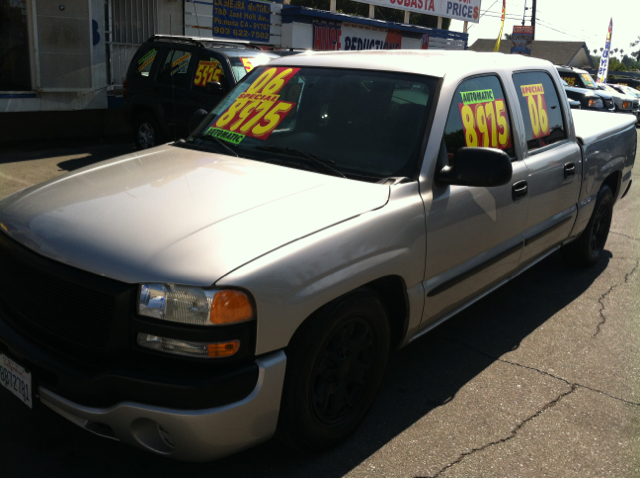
(177, 215)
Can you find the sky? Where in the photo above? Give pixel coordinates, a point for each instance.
(564, 20)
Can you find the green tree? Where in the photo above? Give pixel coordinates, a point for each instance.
(636, 54)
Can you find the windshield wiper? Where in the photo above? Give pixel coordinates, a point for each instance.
(219, 142)
(318, 161)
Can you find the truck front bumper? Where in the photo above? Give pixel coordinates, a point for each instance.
(188, 435)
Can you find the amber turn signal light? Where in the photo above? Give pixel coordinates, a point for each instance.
(230, 306)
(222, 350)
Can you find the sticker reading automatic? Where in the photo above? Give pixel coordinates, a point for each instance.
(225, 135)
(484, 120)
(480, 96)
(258, 111)
(537, 109)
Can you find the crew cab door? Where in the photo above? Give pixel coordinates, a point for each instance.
(553, 160)
(474, 234)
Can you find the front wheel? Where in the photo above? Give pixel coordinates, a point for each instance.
(587, 249)
(335, 364)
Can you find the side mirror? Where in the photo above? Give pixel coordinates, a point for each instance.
(215, 87)
(196, 119)
(477, 167)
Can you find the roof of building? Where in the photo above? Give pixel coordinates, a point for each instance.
(558, 53)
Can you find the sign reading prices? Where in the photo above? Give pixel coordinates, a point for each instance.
(242, 20)
(465, 10)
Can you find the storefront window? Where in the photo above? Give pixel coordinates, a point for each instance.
(15, 71)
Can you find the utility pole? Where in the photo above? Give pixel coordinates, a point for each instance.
(533, 19)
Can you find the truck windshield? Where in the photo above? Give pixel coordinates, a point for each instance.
(366, 125)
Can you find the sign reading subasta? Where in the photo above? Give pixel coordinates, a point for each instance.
(465, 10)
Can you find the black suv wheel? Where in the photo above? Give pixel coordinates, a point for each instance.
(147, 131)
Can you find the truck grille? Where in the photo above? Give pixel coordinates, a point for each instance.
(47, 299)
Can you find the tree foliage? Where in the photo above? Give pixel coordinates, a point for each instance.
(382, 13)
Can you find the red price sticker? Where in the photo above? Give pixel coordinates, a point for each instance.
(207, 72)
(484, 120)
(537, 109)
(248, 66)
(257, 111)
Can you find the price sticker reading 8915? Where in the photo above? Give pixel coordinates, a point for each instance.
(257, 111)
(484, 120)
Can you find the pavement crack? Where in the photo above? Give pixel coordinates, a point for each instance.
(540, 371)
(514, 432)
(603, 318)
(626, 236)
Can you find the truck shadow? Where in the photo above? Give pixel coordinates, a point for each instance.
(426, 374)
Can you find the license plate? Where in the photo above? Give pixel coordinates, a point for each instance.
(16, 379)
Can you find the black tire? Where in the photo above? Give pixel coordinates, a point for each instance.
(146, 131)
(335, 365)
(587, 249)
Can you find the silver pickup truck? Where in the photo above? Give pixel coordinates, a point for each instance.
(195, 299)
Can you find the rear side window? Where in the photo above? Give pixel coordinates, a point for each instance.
(479, 117)
(541, 109)
(145, 61)
(175, 69)
(208, 69)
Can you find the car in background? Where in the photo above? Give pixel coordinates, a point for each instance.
(577, 78)
(626, 81)
(624, 103)
(171, 77)
(586, 99)
(627, 90)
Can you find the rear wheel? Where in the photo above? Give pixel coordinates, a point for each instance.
(147, 133)
(587, 249)
(335, 364)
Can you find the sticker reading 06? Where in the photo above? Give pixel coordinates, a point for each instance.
(484, 120)
(537, 109)
(257, 111)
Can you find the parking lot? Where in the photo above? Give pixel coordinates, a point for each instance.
(540, 378)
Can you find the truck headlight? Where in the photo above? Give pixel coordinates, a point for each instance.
(595, 103)
(193, 305)
(625, 104)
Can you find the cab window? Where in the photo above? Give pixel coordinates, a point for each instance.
(208, 69)
(541, 109)
(175, 70)
(479, 117)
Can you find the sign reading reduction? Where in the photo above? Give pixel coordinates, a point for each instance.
(242, 20)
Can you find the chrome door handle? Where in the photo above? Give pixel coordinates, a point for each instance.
(519, 190)
(569, 170)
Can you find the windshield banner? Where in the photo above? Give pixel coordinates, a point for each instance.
(464, 10)
(257, 111)
(604, 61)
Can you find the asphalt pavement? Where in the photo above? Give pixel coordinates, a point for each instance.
(540, 378)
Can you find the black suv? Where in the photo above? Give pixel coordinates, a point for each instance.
(581, 87)
(171, 77)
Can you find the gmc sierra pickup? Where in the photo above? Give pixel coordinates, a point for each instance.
(199, 297)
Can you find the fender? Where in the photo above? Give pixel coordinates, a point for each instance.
(292, 282)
